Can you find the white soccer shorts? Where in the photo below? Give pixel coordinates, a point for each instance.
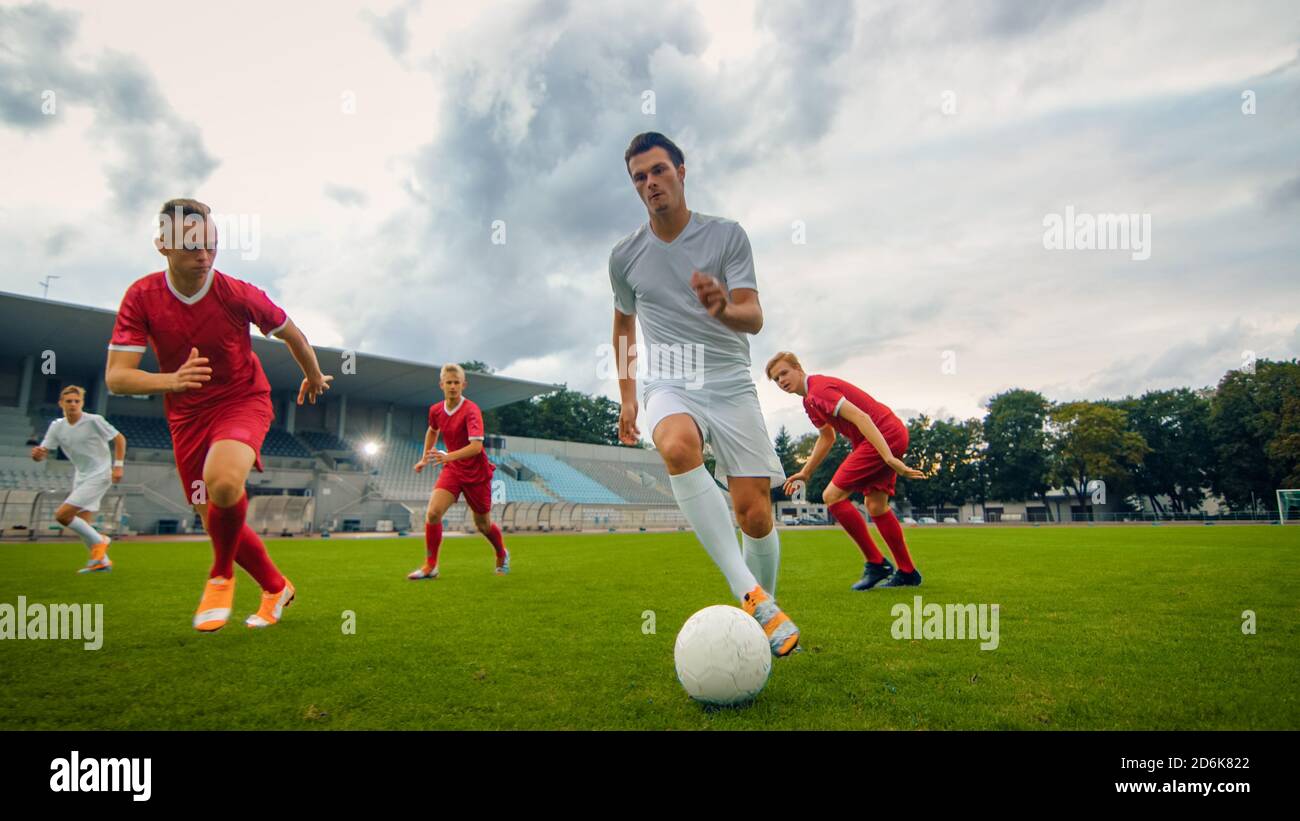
(731, 422)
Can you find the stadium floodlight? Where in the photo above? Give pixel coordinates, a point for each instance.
(1288, 499)
(370, 448)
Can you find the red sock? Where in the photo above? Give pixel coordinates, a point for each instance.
(498, 543)
(432, 541)
(252, 556)
(224, 526)
(892, 532)
(856, 526)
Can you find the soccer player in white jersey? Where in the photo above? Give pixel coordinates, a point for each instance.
(690, 278)
(84, 438)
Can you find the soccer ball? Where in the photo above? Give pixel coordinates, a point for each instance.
(722, 656)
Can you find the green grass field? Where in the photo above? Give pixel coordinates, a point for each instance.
(1100, 628)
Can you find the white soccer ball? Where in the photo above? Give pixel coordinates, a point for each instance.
(722, 656)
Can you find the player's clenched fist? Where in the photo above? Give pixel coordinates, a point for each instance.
(710, 293)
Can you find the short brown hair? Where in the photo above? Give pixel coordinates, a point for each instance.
(642, 143)
(77, 389)
(451, 367)
(782, 356)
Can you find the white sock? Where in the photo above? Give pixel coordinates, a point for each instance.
(87, 533)
(763, 558)
(706, 509)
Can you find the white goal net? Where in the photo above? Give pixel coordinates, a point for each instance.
(1288, 506)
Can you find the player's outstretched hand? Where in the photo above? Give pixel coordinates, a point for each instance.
(192, 374)
(710, 293)
(39, 453)
(903, 470)
(312, 388)
(793, 480)
(628, 433)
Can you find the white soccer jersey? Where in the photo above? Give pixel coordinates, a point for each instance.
(85, 444)
(652, 279)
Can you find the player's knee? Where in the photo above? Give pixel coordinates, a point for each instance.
(833, 495)
(484, 527)
(64, 518)
(756, 523)
(679, 454)
(877, 507)
(223, 490)
(432, 518)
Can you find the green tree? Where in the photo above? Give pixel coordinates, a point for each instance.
(563, 414)
(1016, 456)
(1255, 427)
(1176, 427)
(951, 454)
(1090, 440)
(785, 451)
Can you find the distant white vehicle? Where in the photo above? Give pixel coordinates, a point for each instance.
(976, 520)
(948, 520)
(926, 520)
(908, 520)
(789, 520)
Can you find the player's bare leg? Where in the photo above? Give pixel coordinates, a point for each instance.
(679, 442)
(439, 502)
(79, 521)
(483, 521)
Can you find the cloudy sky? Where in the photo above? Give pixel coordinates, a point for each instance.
(894, 165)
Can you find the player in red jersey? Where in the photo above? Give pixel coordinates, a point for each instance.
(217, 398)
(465, 469)
(879, 439)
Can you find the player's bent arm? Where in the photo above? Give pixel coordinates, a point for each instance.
(822, 447)
(863, 422)
(474, 448)
(743, 313)
(300, 348)
(122, 375)
(119, 448)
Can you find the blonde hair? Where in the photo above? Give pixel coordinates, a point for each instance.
(77, 389)
(783, 356)
(452, 367)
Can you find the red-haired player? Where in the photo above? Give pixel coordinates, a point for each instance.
(879, 439)
(218, 400)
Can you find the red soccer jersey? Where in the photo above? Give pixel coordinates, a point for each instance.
(460, 426)
(823, 399)
(215, 320)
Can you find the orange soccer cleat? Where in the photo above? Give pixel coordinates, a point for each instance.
(214, 607)
(273, 605)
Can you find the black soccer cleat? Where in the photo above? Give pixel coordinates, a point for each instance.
(900, 579)
(873, 574)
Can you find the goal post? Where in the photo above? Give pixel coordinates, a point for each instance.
(1288, 505)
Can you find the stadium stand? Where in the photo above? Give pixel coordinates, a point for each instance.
(635, 483)
(565, 481)
(321, 440)
(143, 431)
(279, 442)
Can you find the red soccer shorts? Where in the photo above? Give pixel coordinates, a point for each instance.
(478, 495)
(246, 420)
(864, 471)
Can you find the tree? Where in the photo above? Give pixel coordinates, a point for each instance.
(1176, 427)
(1090, 440)
(785, 451)
(950, 452)
(563, 414)
(1016, 456)
(1255, 428)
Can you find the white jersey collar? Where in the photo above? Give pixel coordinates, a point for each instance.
(189, 300)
